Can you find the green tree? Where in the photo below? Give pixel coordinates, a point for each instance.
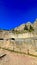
(31, 28)
(25, 28)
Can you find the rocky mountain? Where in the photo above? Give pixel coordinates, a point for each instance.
(23, 27)
(19, 28)
(28, 24)
(28, 27)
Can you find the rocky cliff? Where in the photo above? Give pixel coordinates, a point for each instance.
(28, 27)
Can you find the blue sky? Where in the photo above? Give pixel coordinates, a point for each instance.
(16, 12)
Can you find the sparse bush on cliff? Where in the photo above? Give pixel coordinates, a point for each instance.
(31, 29)
(25, 28)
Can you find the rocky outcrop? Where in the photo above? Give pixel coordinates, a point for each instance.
(23, 27)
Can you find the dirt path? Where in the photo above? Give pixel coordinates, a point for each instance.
(17, 59)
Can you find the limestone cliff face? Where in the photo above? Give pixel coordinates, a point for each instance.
(22, 27)
(24, 35)
(6, 34)
(19, 28)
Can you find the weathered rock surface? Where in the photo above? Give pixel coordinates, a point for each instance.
(23, 42)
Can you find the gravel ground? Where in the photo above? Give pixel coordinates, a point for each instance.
(12, 58)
